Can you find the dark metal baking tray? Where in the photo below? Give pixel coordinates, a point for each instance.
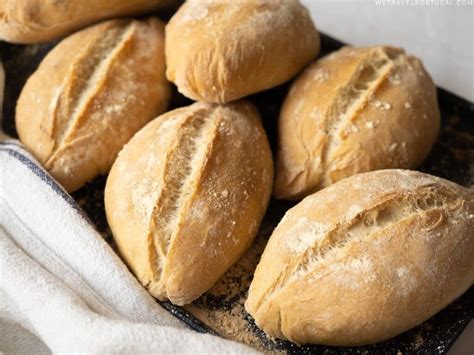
(220, 311)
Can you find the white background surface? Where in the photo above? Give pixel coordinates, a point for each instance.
(441, 35)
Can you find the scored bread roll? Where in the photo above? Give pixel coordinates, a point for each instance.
(220, 51)
(90, 94)
(33, 21)
(186, 195)
(356, 110)
(365, 259)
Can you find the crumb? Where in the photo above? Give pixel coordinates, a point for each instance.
(395, 79)
(351, 129)
(321, 75)
(392, 147)
(418, 342)
(381, 105)
(386, 105)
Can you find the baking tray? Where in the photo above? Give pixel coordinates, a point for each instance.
(220, 311)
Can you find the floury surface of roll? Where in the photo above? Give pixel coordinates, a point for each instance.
(365, 259)
(90, 94)
(220, 51)
(186, 196)
(353, 111)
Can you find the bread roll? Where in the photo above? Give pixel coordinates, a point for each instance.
(365, 259)
(33, 21)
(356, 110)
(219, 51)
(186, 196)
(90, 94)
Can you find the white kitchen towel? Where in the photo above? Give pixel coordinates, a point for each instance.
(62, 288)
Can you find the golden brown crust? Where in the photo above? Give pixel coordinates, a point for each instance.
(186, 196)
(354, 111)
(33, 21)
(219, 51)
(87, 98)
(365, 259)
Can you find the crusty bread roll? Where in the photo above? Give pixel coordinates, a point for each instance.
(219, 51)
(365, 259)
(90, 94)
(354, 111)
(33, 21)
(186, 195)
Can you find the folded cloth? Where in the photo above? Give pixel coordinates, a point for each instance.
(62, 288)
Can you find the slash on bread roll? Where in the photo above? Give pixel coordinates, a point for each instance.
(219, 51)
(90, 94)
(186, 195)
(354, 111)
(33, 21)
(365, 259)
